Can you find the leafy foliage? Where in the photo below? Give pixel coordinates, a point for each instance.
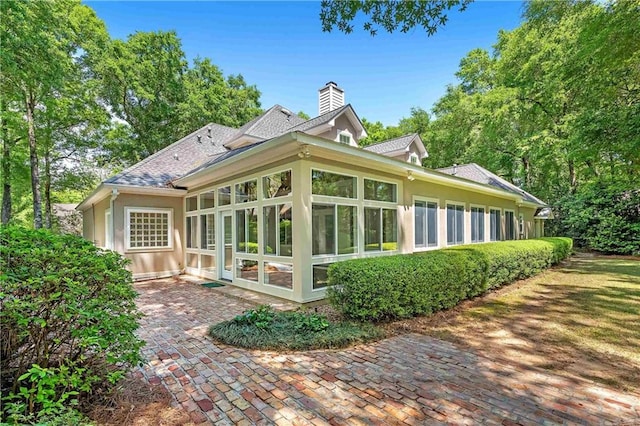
(391, 15)
(263, 328)
(67, 321)
(422, 283)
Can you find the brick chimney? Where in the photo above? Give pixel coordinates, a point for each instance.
(330, 97)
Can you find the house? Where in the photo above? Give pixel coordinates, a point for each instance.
(270, 205)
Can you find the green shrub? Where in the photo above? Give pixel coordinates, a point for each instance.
(402, 286)
(67, 322)
(263, 328)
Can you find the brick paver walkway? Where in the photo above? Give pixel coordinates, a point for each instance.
(410, 379)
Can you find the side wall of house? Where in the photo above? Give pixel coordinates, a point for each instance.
(93, 222)
(150, 263)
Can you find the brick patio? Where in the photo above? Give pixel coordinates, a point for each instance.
(410, 379)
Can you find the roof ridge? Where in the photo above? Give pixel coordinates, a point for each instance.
(166, 148)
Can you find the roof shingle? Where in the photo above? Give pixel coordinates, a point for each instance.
(391, 145)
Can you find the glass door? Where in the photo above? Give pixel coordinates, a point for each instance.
(227, 246)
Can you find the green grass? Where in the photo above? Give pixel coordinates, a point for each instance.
(263, 328)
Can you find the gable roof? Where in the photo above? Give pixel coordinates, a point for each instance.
(326, 118)
(176, 159)
(479, 174)
(271, 123)
(401, 143)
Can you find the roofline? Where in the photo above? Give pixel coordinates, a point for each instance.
(104, 189)
(414, 136)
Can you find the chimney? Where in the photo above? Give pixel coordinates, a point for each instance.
(330, 97)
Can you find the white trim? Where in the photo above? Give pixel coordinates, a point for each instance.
(127, 217)
(154, 275)
(108, 229)
(427, 247)
(446, 221)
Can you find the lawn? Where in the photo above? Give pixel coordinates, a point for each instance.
(581, 318)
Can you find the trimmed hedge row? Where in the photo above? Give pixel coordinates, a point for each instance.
(402, 286)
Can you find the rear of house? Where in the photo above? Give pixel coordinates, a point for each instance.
(269, 206)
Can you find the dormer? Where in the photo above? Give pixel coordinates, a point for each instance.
(409, 148)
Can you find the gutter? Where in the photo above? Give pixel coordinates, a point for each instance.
(104, 189)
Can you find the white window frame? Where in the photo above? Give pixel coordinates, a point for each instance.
(345, 133)
(127, 214)
(335, 197)
(413, 218)
(367, 201)
(489, 208)
(446, 222)
(484, 223)
(414, 159)
(268, 200)
(515, 235)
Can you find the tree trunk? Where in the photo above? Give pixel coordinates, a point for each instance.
(573, 181)
(6, 168)
(527, 172)
(33, 160)
(48, 223)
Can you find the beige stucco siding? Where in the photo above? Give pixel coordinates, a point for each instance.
(342, 125)
(93, 222)
(146, 263)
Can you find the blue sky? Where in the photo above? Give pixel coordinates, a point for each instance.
(280, 47)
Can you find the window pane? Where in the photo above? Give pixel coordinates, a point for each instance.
(451, 224)
(224, 196)
(192, 232)
(192, 204)
(459, 224)
(246, 191)
(477, 224)
(192, 260)
(420, 220)
(207, 263)
(247, 269)
(432, 224)
(278, 274)
(323, 229)
(372, 237)
(320, 276)
(379, 191)
(207, 200)
(270, 228)
(247, 231)
(277, 185)
(389, 230)
(207, 232)
(332, 184)
(495, 225)
(241, 234)
(347, 229)
(285, 228)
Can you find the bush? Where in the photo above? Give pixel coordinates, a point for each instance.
(263, 328)
(67, 322)
(402, 286)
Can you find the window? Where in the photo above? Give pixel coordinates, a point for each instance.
(413, 158)
(333, 184)
(380, 229)
(149, 228)
(278, 274)
(426, 224)
(208, 231)
(246, 191)
(192, 204)
(224, 196)
(207, 200)
(247, 231)
(277, 185)
(345, 138)
(277, 230)
(455, 224)
(521, 225)
(494, 225)
(477, 224)
(192, 232)
(334, 229)
(247, 269)
(379, 191)
(320, 279)
(509, 225)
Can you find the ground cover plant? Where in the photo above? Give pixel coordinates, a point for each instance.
(582, 318)
(401, 286)
(67, 322)
(264, 328)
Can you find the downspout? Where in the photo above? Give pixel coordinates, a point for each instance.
(114, 195)
(93, 215)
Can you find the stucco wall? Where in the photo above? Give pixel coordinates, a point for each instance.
(93, 222)
(342, 124)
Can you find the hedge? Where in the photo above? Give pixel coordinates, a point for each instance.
(402, 286)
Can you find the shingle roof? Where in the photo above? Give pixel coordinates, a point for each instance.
(391, 145)
(319, 120)
(224, 156)
(479, 174)
(177, 159)
(273, 122)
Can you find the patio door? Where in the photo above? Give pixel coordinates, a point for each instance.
(226, 272)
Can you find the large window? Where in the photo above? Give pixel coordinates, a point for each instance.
(246, 191)
(192, 232)
(277, 230)
(334, 229)
(192, 203)
(494, 225)
(426, 224)
(208, 231)
(380, 229)
(477, 224)
(333, 184)
(455, 224)
(207, 200)
(509, 225)
(148, 228)
(278, 274)
(247, 231)
(277, 185)
(224, 196)
(379, 191)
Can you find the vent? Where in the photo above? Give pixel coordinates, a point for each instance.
(330, 98)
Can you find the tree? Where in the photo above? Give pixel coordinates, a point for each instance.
(390, 15)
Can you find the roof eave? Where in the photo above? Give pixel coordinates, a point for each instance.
(104, 189)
